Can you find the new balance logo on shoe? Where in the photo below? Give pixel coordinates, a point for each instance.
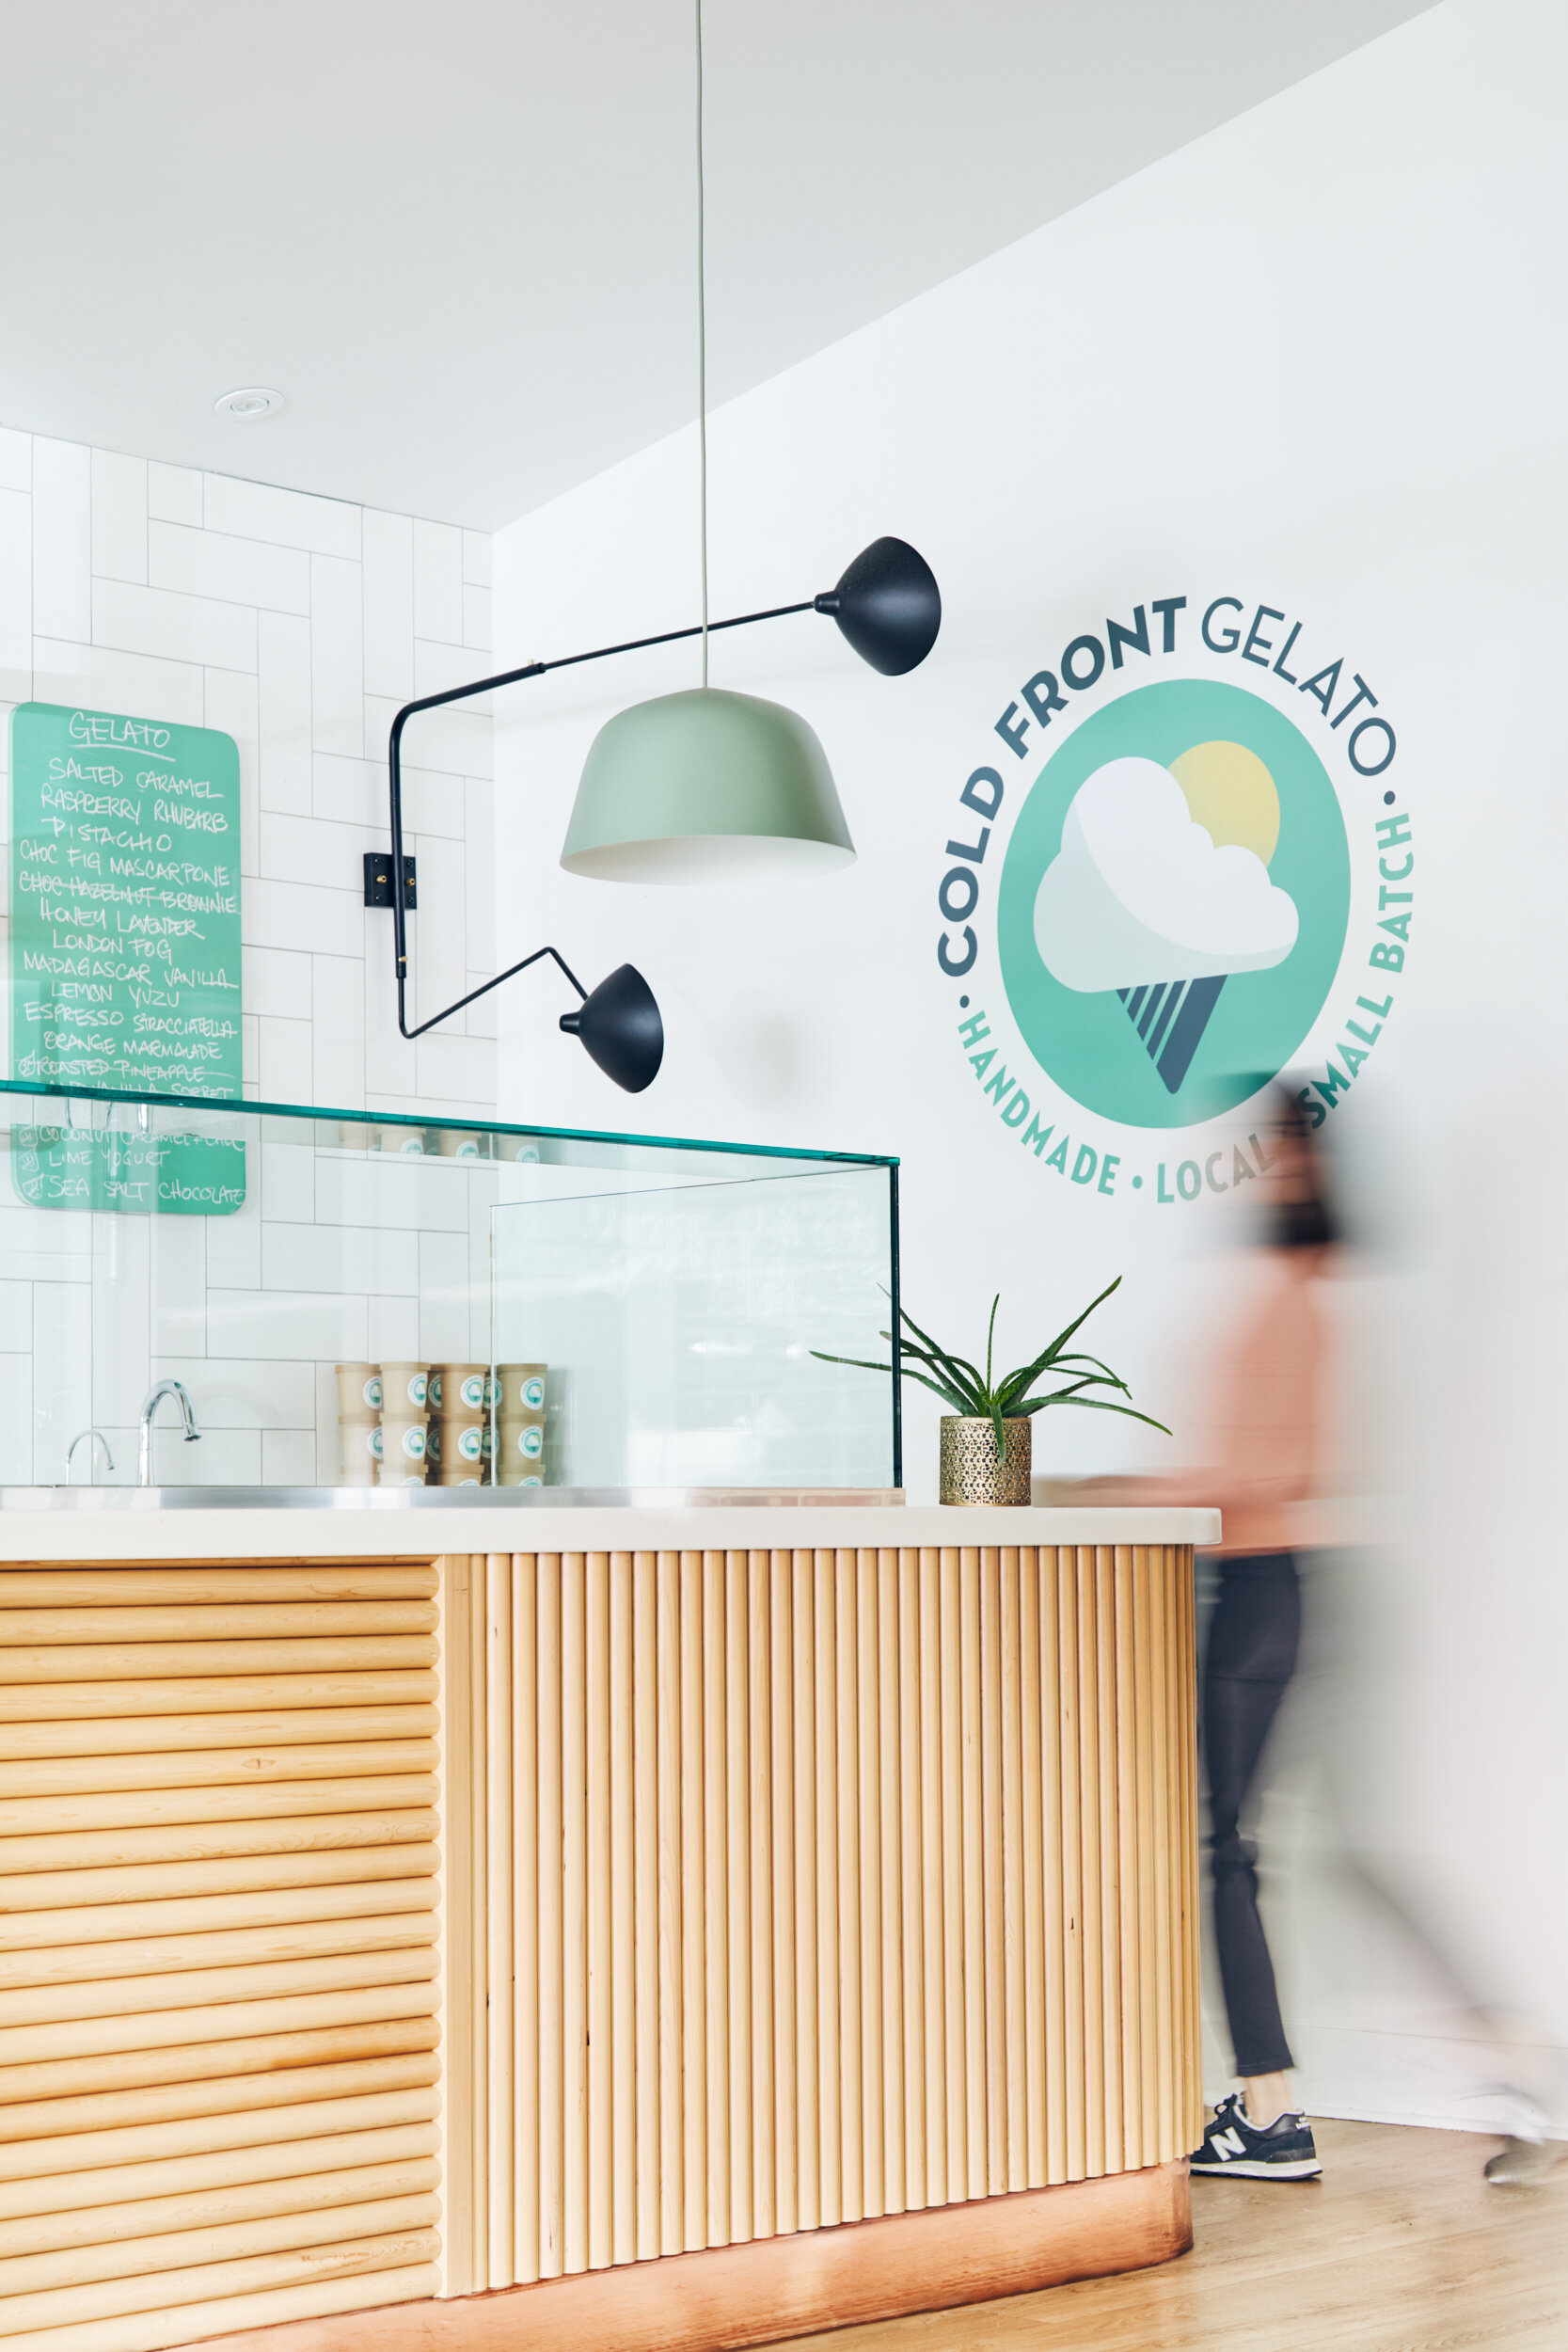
(1233, 2144)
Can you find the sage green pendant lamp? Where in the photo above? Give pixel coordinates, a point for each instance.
(706, 787)
(710, 786)
(702, 786)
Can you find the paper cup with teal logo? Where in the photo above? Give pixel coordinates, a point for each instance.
(404, 1450)
(359, 1392)
(361, 1443)
(518, 1388)
(406, 1390)
(457, 1391)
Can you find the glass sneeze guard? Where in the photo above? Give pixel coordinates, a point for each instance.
(638, 1312)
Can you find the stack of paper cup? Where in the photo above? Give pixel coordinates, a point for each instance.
(360, 1421)
(458, 1451)
(518, 1392)
(404, 1424)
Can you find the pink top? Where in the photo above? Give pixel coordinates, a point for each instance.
(1263, 1439)
(1260, 1441)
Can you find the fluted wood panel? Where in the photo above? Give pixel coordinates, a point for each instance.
(218, 1948)
(824, 1886)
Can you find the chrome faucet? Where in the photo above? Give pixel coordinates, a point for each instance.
(150, 1405)
(84, 1437)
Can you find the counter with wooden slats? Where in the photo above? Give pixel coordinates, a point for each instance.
(219, 1954)
(798, 1888)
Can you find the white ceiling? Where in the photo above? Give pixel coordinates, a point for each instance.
(458, 234)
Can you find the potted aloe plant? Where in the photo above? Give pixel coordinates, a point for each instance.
(986, 1439)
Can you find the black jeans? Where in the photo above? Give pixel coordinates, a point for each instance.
(1253, 1638)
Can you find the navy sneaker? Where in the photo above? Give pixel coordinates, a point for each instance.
(1234, 2144)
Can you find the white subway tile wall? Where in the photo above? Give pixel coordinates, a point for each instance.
(297, 624)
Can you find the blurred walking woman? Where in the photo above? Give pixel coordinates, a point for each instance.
(1265, 1445)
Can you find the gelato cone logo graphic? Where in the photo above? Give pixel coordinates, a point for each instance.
(1166, 869)
(1173, 902)
(1180, 864)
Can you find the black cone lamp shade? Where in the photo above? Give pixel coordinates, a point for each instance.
(618, 1022)
(888, 606)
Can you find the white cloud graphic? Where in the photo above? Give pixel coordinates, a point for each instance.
(1139, 893)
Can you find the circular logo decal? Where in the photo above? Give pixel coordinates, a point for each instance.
(471, 1394)
(530, 1442)
(534, 1391)
(1174, 903)
(372, 1392)
(471, 1443)
(414, 1443)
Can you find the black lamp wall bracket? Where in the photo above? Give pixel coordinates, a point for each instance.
(378, 880)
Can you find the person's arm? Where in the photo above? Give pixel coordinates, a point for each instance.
(1261, 1443)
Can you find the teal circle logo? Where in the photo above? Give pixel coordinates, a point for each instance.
(1174, 902)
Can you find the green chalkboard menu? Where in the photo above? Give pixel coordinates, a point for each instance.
(128, 1174)
(125, 903)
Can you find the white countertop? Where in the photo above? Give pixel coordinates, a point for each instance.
(132, 1534)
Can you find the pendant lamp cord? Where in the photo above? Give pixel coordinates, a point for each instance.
(701, 343)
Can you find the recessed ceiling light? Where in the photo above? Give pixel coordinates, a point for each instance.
(251, 400)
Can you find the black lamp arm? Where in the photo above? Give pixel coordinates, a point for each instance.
(486, 986)
(483, 686)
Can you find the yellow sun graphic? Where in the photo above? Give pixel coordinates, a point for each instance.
(1231, 794)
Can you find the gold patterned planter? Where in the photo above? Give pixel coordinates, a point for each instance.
(971, 1471)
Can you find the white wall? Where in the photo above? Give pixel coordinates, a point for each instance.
(1316, 360)
(298, 625)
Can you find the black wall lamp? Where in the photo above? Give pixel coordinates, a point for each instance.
(694, 786)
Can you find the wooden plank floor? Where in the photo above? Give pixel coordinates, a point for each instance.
(1400, 2248)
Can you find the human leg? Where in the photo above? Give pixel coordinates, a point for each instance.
(1253, 1640)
